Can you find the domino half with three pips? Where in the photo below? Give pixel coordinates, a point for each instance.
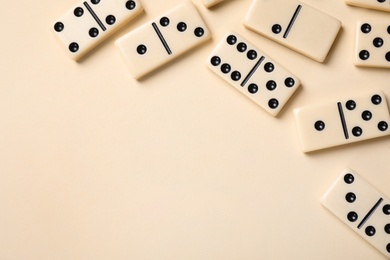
(88, 23)
(361, 207)
(252, 72)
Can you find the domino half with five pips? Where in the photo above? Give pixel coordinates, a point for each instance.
(88, 23)
(252, 72)
(163, 39)
(294, 25)
(343, 121)
(361, 207)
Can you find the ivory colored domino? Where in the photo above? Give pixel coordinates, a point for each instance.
(294, 25)
(361, 207)
(162, 39)
(90, 22)
(343, 121)
(210, 3)
(252, 72)
(382, 5)
(372, 44)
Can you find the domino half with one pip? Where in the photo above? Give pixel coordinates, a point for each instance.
(382, 5)
(361, 207)
(90, 22)
(252, 72)
(294, 25)
(343, 121)
(162, 39)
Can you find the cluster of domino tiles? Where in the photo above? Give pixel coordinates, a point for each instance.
(252, 72)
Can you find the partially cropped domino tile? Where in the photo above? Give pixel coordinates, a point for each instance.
(294, 25)
(90, 22)
(163, 39)
(342, 121)
(382, 5)
(253, 73)
(361, 207)
(210, 3)
(372, 45)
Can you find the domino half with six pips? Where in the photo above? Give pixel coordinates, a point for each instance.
(382, 5)
(162, 39)
(294, 25)
(343, 121)
(361, 207)
(372, 48)
(252, 72)
(90, 22)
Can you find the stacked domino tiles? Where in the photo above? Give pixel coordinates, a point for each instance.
(255, 74)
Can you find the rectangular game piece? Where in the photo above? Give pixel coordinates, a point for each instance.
(361, 207)
(90, 22)
(163, 39)
(210, 3)
(294, 25)
(372, 45)
(253, 73)
(381, 5)
(343, 121)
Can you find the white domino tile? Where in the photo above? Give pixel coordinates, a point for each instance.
(362, 208)
(163, 39)
(342, 121)
(90, 22)
(295, 25)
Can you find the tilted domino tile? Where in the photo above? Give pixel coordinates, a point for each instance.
(253, 73)
(382, 5)
(361, 207)
(372, 45)
(294, 25)
(163, 39)
(343, 121)
(210, 3)
(90, 22)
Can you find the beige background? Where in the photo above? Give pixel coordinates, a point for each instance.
(180, 165)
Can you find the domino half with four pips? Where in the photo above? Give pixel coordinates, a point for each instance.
(361, 207)
(252, 72)
(294, 25)
(163, 39)
(343, 121)
(88, 23)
